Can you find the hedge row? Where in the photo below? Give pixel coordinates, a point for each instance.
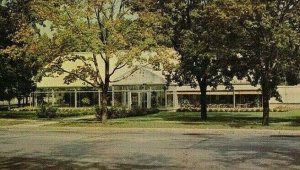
(195, 109)
(122, 112)
(113, 112)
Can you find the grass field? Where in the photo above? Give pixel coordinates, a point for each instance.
(18, 115)
(216, 120)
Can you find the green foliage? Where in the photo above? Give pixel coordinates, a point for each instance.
(270, 46)
(18, 67)
(110, 36)
(98, 112)
(46, 112)
(122, 112)
(22, 109)
(85, 101)
(117, 112)
(53, 112)
(187, 107)
(18, 114)
(204, 33)
(280, 109)
(197, 109)
(61, 111)
(107, 30)
(70, 112)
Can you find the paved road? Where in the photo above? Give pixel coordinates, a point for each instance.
(148, 149)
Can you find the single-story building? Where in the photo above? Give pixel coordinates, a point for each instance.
(147, 88)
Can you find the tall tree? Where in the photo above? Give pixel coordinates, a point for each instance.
(105, 28)
(18, 68)
(271, 46)
(204, 33)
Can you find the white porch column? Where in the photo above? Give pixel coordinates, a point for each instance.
(30, 100)
(233, 98)
(52, 97)
(75, 98)
(139, 99)
(99, 98)
(129, 100)
(175, 99)
(148, 99)
(124, 98)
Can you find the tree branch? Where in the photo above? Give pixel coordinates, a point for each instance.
(75, 75)
(118, 67)
(97, 70)
(131, 72)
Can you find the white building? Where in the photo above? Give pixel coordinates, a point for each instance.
(147, 88)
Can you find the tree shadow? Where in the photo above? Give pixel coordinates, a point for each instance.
(238, 119)
(17, 115)
(282, 156)
(43, 163)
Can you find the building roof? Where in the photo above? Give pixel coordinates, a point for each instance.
(144, 75)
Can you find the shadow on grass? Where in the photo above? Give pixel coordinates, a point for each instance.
(218, 119)
(17, 115)
(233, 119)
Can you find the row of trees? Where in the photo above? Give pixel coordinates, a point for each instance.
(215, 40)
(218, 39)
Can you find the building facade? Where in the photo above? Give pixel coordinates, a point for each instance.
(147, 88)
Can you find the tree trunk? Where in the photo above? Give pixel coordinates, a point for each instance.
(104, 98)
(26, 100)
(9, 105)
(203, 90)
(105, 87)
(266, 105)
(266, 98)
(19, 101)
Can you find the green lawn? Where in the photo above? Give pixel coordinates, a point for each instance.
(17, 115)
(10, 122)
(9, 118)
(32, 114)
(216, 120)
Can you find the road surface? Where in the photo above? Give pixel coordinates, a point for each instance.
(90, 148)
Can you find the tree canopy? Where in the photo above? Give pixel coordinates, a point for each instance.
(114, 35)
(17, 66)
(271, 46)
(205, 34)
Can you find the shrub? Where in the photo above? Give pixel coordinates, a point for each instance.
(117, 112)
(235, 110)
(46, 112)
(122, 112)
(27, 108)
(68, 112)
(280, 109)
(152, 111)
(98, 112)
(258, 110)
(223, 109)
(85, 101)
